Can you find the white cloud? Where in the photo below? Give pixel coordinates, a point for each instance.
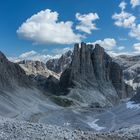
(135, 3)
(121, 48)
(107, 43)
(136, 46)
(122, 39)
(114, 54)
(135, 32)
(28, 54)
(61, 51)
(123, 5)
(127, 20)
(86, 22)
(43, 56)
(124, 19)
(44, 28)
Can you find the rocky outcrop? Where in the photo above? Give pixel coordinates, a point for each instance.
(58, 65)
(36, 68)
(81, 68)
(94, 76)
(39, 74)
(11, 75)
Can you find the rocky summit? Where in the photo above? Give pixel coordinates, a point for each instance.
(93, 77)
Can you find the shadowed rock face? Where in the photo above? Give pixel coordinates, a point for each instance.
(94, 69)
(81, 68)
(11, 74)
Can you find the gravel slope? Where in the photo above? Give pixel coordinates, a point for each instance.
(15, 130)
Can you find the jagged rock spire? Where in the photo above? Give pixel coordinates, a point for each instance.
(93, 68)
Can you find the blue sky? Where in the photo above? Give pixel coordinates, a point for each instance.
(16, 39)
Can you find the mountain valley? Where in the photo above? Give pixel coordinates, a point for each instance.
(86, 96)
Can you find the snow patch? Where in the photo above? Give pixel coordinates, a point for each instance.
(95, 126)
(132, 105)
(132, 84)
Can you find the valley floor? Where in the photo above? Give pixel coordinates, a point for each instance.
(20, 130)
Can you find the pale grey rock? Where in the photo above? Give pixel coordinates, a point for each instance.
(36, 68)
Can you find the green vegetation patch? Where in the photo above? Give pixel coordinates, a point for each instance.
(61, 101)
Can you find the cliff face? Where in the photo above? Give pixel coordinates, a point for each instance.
(11, 74)
(81, 68)
(94, 72)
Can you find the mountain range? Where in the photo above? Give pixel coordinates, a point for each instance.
(85, 89)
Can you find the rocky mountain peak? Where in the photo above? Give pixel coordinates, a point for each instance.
(92, 70)
(98, 49)
(58, 65)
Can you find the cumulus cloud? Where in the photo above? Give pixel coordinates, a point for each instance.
(43, 56)
(114, 54)
(61, 51)
(124, 19)
(31, 55)
(121, 48)
(123, 5)
(135, 3)
(44, 28)
(86, 22)
(127, 20)
(136, 46)
(107, 43)
(135, 32)
(28, 54)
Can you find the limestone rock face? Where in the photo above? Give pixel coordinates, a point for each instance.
(60, 64)
(36, 68)
(92, 75)
(11, 74)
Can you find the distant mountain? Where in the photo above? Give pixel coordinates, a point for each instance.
(131, 69)
(36, 68)
(60, 64)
